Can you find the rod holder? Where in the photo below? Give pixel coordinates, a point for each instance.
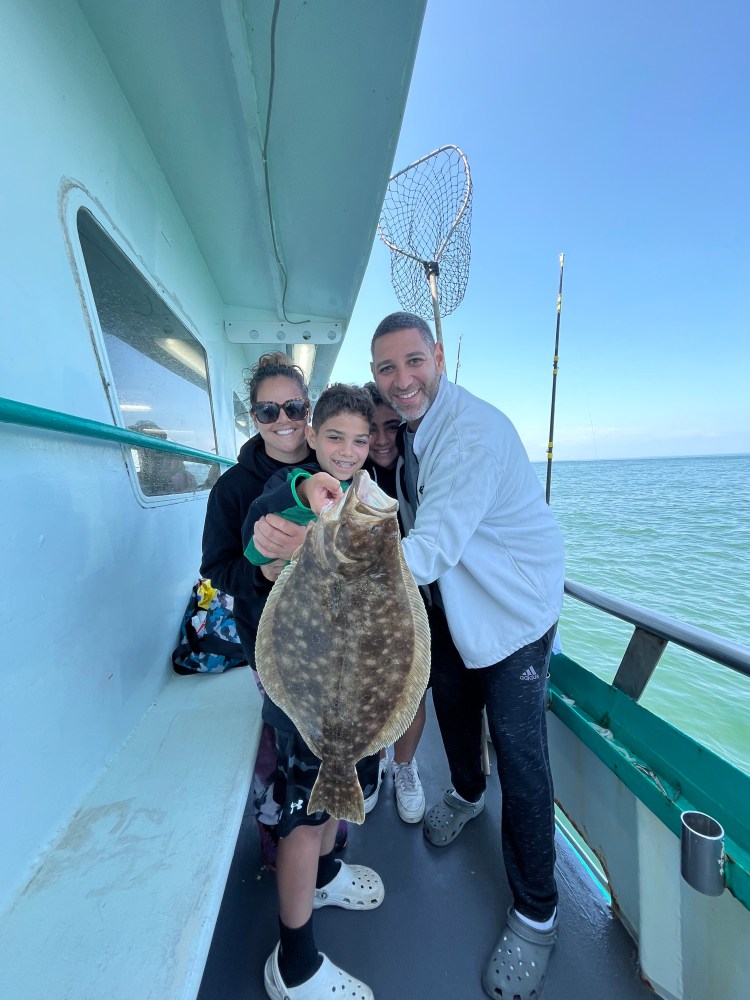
(702, 853)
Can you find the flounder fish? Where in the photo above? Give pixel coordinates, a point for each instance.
(343, 644)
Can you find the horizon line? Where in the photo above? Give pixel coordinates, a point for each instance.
(643, 458)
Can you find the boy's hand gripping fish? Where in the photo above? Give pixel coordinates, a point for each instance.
(343, 643)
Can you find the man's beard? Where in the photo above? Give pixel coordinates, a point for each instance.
(430, 390)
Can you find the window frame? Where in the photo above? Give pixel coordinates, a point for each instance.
(75, 199)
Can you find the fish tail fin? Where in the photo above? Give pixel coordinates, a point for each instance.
(341, 798)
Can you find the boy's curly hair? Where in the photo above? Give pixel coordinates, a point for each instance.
(341, 398)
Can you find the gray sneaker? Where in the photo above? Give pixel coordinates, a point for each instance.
(410, 800)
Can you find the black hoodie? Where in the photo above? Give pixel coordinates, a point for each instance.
(223, 560)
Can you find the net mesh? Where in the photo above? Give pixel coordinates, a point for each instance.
(426, 218)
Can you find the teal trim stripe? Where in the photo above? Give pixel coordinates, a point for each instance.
(589, 862)
(667, 770)
(12, 412)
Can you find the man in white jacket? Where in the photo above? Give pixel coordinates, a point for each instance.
(488, 545)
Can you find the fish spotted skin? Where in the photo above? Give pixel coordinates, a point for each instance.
(343, 643)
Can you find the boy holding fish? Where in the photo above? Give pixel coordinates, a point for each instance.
(340, 438)
(308, 875)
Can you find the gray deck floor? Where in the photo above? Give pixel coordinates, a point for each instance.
(443, 910)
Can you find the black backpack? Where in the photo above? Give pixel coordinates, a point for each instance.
(209, 643)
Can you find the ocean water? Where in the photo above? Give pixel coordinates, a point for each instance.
(673, 535)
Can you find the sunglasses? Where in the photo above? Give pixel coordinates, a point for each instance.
(268, 413)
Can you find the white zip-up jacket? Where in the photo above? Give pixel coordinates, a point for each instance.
(483, 529)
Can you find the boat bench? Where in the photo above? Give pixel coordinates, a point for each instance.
(124, 903)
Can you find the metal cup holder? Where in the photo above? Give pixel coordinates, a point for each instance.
(702, 853)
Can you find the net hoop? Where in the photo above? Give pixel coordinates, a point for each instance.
(426, 225)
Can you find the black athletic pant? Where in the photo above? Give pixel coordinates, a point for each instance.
(514, 693)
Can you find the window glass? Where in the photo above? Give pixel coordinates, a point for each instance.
(159, 372)
(243, 425)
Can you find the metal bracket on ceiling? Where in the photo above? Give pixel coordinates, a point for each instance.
(245, 331)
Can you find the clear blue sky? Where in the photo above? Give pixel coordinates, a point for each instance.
(619, 135)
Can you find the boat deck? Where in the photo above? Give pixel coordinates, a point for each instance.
(442, 912)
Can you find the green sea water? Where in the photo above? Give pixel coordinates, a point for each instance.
(672, 535)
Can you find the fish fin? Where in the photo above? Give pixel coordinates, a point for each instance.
(265, 661)
(419, 677)
(342, 800)
(312, 744)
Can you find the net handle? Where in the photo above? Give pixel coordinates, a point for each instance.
(432, 270)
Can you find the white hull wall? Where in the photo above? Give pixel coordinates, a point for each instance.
(95, 583)
(691, 947)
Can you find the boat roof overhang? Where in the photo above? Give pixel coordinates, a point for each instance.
(275, 125)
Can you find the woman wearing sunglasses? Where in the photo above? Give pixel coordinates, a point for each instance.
(279, 406)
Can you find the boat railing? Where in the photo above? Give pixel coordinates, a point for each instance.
(653, 631)
(27, 415)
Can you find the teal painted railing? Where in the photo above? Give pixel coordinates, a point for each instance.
(13, 412)
(666, 769)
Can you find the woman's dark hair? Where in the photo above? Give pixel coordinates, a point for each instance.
(340, 398)
(273, 365)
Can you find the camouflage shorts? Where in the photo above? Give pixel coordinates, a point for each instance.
(296, 770)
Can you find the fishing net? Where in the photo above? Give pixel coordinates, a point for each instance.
(426, 225)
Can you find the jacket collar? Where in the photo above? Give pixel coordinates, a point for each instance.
(434, 416)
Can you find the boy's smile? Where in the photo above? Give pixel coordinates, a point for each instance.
(341, 444)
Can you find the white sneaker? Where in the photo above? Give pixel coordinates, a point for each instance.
(372, 799)
(410, 800)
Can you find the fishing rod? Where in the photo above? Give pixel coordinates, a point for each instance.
(554, 380)
(458, 359)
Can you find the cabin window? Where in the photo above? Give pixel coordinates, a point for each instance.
(155, 368)
(243, 425)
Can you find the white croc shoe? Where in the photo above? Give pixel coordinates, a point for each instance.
(329, 981)
(355, 887)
